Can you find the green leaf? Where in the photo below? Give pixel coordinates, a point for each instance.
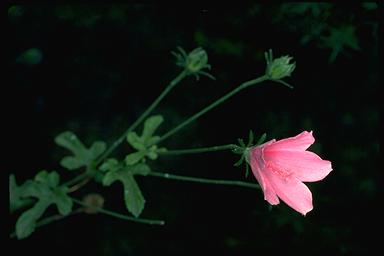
(26, 223)
(145, 145)
(150, 126)
(152, 155)
(45, 187)
(111, 164)
(32, 188)
(71, 163)
(81, 155)
(339, 38)
(152, 141)
(135, 141)
(15, 195)
(70, 141)
(99, 176)
(51, 179)
(134, 200)
(140, 169)
(134, 158)
(110, 177)
(97, 148)
(63, 202)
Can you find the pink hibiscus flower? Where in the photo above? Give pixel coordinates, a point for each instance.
(282, 166)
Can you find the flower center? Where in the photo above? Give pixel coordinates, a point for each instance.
(285, 174)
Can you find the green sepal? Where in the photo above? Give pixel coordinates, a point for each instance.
(262, 139)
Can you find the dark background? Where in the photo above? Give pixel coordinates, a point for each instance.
(94, 68)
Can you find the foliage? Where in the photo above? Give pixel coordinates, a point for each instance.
(46, 189)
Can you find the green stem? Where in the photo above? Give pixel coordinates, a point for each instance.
(121, 216)
(169, 87)
(198, 150)
(207, 181)
(213, 105)
(76, 180)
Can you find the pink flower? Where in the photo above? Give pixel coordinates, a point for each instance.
(281, 166)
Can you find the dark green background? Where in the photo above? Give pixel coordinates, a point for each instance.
(102, 65)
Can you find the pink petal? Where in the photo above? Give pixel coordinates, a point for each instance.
(304, 165)
(257, 166)
(292, 191)
(298, 143)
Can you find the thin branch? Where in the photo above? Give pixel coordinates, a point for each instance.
(203, 180)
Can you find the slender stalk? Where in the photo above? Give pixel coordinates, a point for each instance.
(81, 180)
(169, 87)
(57, 217)
(76, 179)
(198, 150)
(79, 185)
(213, 105)
(207, 181)
(121, 216)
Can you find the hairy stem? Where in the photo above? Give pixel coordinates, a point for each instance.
(207, 181)
(198, 150)
(76, 179)
(121, 216)
(170, 86)
(213, 105)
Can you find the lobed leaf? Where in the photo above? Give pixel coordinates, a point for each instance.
(81, 155)
(45, 188)
(133, 198)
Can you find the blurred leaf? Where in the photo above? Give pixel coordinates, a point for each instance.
(135, 141)
(302, 8)
(339, 38)
(82, 155)
(370, 6)
(30, 57)
(15, 11)
(139, 169)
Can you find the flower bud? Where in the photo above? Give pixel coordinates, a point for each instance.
(197, 60)
(280, 68)
(93, 202)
